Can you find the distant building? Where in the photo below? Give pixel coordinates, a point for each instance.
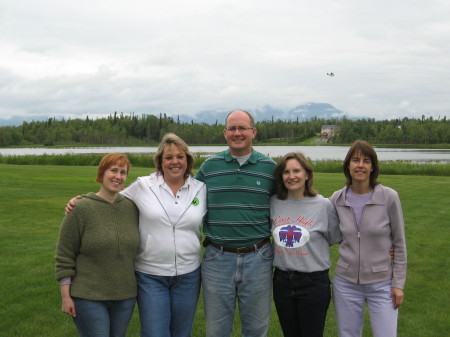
(328, 131)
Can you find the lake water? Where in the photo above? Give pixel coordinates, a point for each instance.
(313, 152)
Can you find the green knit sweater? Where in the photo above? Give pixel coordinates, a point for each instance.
(97, 245)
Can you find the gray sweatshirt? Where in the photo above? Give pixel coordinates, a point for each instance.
(302, 231)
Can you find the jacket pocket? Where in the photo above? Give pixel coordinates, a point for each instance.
(342, 264)
(379, 269)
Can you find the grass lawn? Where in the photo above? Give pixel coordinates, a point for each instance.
(32, 201)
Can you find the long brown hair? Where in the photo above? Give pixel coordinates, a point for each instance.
(280, 189)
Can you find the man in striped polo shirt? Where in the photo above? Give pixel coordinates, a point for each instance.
(237, 263)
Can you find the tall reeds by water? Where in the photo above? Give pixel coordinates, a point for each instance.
(146, 160)
(400, 167)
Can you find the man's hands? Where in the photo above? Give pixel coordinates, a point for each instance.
(71, 204)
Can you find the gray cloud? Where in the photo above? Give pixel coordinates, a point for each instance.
(62, 58)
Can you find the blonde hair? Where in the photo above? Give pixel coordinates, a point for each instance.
(173, 139)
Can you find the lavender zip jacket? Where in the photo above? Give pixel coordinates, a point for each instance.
(364, 256)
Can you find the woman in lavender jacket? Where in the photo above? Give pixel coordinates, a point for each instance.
(371, 222)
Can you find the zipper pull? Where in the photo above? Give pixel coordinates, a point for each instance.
(359, 235)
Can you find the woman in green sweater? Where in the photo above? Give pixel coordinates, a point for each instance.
(95, 255)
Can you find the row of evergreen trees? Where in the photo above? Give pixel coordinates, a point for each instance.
(120, 129)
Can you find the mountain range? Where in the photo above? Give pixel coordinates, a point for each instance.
(268, 113)
(265, 113)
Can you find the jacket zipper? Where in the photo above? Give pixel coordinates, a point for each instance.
(173, 226)
(174, 241)
(175, 248)
(358, 235)
(359, 238)
(114, 212)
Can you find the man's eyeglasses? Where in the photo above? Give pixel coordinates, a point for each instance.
(239, 128)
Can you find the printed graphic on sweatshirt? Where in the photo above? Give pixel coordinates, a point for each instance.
(290, 236)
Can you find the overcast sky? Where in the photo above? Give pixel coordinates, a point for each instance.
(91, 57)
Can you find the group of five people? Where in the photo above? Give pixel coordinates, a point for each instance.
(148, 235)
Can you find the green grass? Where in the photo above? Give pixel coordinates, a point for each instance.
(32, 204)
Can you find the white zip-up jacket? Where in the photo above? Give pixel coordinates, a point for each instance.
(166, 249)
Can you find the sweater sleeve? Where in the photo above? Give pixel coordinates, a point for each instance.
(334, 234)
(68, 245)
(398, 240)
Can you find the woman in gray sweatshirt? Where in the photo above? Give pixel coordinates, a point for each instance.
(304, 225)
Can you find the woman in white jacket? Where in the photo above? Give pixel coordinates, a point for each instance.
(171, 206)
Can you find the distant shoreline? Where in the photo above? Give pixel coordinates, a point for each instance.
(309, 143)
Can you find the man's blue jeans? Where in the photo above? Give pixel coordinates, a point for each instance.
(103, 318)
(167, 304)
(247, 278)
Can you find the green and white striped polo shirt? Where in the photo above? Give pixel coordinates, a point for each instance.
(238, 198)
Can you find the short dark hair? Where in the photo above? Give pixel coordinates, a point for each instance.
(110, 160)
(280, 189)
(366, 149)
(173, 139)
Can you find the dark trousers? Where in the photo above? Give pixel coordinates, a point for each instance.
(302, 301)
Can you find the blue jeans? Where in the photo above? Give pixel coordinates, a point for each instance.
(302, 301)
(167, 304)
(247, 278)
(103, 318)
